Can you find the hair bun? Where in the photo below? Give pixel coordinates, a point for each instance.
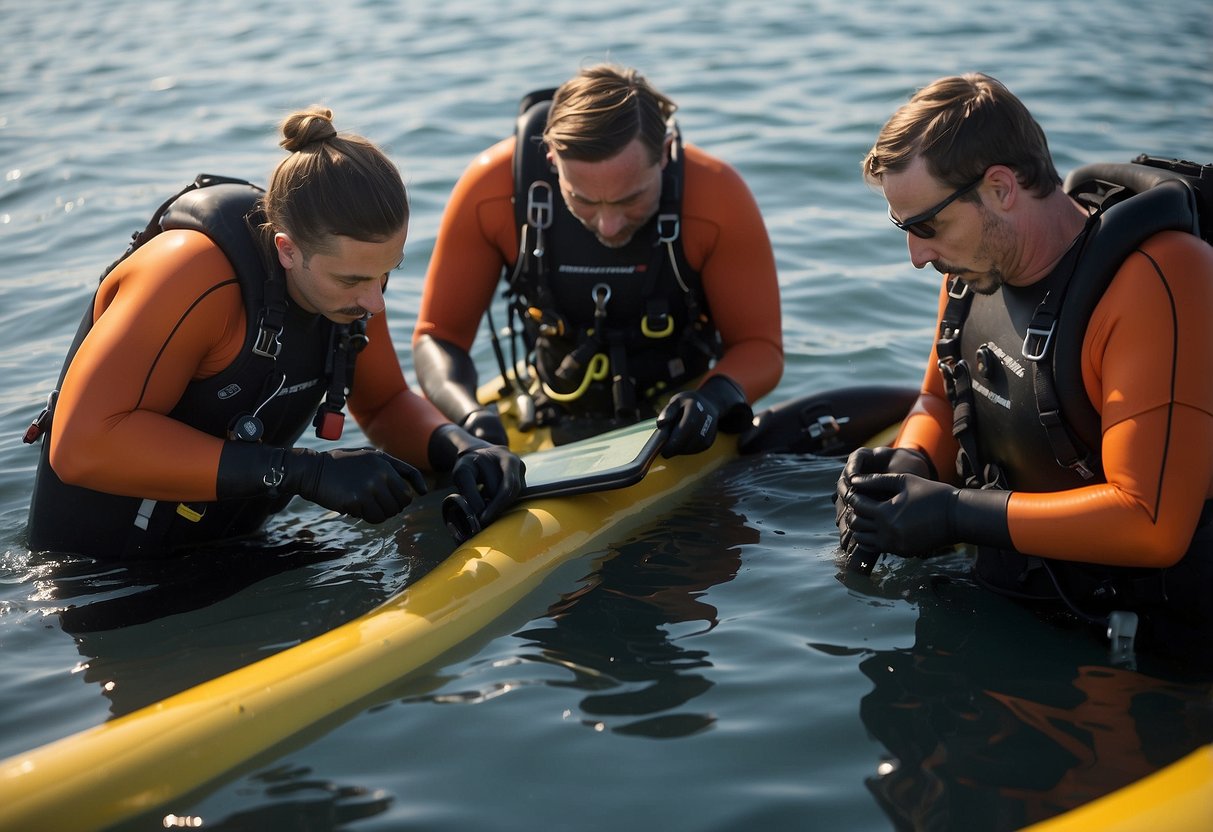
(306, 127)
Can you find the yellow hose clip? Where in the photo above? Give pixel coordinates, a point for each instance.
(597, 370)
(649, 332)
(191, 513)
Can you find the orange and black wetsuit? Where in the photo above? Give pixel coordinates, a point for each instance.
(162, 371)
(1145, 368)
(723, 240)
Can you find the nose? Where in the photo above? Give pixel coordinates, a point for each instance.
(610, 221)
(371, 298)
(921, 253)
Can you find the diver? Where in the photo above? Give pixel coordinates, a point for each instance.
(1050, 306)
(636, 269)
(235, 321)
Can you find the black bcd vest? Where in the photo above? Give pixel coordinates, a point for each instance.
(640, 307)
(1012, 365)
(289, 362)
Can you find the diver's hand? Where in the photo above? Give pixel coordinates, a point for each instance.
(697, 415)
(913, 517)
(902, 514)
(490, 478)
(486, 424)
(362, 482)
(883, 460)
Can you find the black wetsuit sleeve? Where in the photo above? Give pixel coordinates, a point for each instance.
(448, 377)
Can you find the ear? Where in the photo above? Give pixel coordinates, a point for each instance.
(666, 149)
(1003, 186)
(287, 250)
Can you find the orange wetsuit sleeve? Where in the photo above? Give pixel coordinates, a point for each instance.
(1146, 366)
(725, 239)
(170, 313)
(476, 237)
(391, 415)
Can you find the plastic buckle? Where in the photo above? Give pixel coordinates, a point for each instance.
(37, 427)
(329, 424)
(1122, 635)
(825, 431)
(269, 341)
(192, 512)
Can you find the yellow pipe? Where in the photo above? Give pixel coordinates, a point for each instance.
(144, 760)
(1178, 798)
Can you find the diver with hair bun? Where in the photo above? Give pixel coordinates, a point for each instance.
(231, 325)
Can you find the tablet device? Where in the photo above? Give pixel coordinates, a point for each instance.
(611, 460)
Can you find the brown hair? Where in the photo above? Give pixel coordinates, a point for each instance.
(597, 113)
(961, 125)
(332, 183)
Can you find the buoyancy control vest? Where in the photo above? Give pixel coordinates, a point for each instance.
(1013, 370)
(293, 369)
(605, 329)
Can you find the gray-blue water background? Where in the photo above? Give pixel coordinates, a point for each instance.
(715, 673)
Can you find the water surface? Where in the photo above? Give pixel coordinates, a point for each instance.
(711, 671)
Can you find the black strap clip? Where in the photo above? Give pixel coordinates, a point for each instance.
(269, 338)
(42, 421)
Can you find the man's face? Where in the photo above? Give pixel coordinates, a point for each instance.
(615, 197)
(969, 240)
(344, 282)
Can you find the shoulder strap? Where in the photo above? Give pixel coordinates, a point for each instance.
(221, 208)
(228, 211)
(534, 181)
(1133, 202)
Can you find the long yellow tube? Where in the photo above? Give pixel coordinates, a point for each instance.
(144, 760)
(1178, 798)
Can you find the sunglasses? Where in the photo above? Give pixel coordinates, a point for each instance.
(920, 225)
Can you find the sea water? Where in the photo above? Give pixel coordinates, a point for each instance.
(715, 670)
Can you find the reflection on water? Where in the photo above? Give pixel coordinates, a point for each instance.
(296, 800)
(149, 629)
(627, 635)
(995, 718)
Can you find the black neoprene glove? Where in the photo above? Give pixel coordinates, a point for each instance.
(488, 476)
(911, 516)
(882, 460)
(486, 424)
(696, 415)
(361, 482)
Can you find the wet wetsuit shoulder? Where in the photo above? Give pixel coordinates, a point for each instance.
(1145, 368)
(476, 237)
(170, 313)
(726, 241)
